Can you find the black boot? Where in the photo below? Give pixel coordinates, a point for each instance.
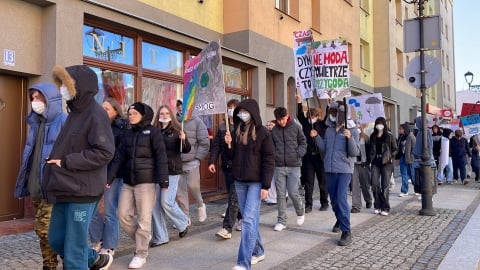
(346, 239)
(336, 227)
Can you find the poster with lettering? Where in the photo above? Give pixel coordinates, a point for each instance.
(470, 108)
(302, 51)
(203, 87)
(471, 124)
(366, 108)
(331, 68)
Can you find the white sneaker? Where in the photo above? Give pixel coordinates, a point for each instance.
(300, 220)
(239, 226)
(279, 227)
(409, 180)
(223, 215)
(137, 262)
(403, 194)
(258, 259)
(224, 234)
(376, 211)
(202, 213)
(107, 251)
(384, 213)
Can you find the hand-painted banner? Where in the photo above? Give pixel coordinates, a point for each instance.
(471, 124)
(203, 85)
(366, 108)
(303, 62)
(331, 70)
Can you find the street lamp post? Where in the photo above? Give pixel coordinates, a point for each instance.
(469, 78)
(425, 172)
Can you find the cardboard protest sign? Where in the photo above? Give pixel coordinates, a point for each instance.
(471, 124)
(470, 108)
(366, 108)
(303, 62)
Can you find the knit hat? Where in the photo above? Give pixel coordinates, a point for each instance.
(138, 106)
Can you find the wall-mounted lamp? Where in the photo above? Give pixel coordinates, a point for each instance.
(281, 17)
(200, 1)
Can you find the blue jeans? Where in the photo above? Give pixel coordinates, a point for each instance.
(338, 186)
(167, 206)
(407, 171)
(251, 243)
(449, 172)
(287, 179)
(68, 234)
(107, 230)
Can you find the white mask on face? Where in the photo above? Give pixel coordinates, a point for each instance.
(230, 112)
(244, 116)
(38, 107)
(332, 118)
(379, 127)
(164, 121)
(64, 92)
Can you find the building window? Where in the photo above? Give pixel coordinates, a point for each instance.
(283, 5)
(398, 11)
(365, 5)
(316, 15)
(448, 89)
(162, 59)
(114, 84)
(406, 12)
(399, 63)
(350, 56)
(364, 55)
(107, 45)
(415, 8)
(446, 31)
(448, 62)
(270, 89)
(443, 58)
(441, 24)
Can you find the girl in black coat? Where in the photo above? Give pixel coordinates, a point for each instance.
(176, 143)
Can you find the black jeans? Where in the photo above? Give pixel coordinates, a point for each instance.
(380, 186)
(313, 165)
(233, 210)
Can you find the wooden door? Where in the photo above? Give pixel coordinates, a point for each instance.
(12, 134)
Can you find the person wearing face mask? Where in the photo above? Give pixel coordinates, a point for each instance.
(460, 150)
(45, 121)
(232, 213)
(142, 153)
(383, 148)
(406, 142)
(340, 147)
(166, 205)
(252, 152)
(312, 162)
(76, 171)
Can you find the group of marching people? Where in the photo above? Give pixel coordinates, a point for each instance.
(144, 164)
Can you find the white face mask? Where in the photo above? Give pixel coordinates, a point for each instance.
(230, 112)
(164, 121)
(64, 92)
(38, 107)
(312, 120)
(379, 127)
(244, 116)
(332, 118)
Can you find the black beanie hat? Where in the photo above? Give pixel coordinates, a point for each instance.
(138, 106)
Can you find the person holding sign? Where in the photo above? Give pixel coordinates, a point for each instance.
(340, 148)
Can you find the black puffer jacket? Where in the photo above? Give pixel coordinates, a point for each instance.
(119, 126)
(85, 145)
(253, 162)
(142, 153)
(172, 146)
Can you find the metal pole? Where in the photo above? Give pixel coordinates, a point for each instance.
(426, 173)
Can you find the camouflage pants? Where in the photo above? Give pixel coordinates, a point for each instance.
(43, 212)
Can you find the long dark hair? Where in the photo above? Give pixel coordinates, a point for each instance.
(383, 121)
(116, 106)
(173, 123)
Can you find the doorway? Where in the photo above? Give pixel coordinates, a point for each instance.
(12, 134)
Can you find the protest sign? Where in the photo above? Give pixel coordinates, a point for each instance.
(303, 62)
(470, 108)
(366, 108)
(471, 124)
